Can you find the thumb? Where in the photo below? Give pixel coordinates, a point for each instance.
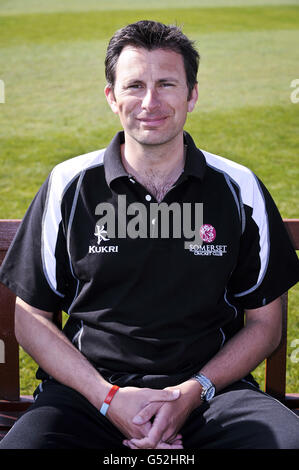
(165, 395)
(154, 403)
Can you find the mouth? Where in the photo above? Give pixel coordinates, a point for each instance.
(151, 122)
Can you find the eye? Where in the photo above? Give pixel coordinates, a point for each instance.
(134, 86)
(167, 84)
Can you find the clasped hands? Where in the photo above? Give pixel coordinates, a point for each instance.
(151, 419)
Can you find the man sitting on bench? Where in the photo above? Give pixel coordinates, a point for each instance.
(156, 250)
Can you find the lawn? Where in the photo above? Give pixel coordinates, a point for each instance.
(51, 63)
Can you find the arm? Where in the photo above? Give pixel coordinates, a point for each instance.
(248, 348)
(240, 355)
(50, 348)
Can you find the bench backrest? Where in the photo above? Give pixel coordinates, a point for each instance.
(9, 349)
(275, 380)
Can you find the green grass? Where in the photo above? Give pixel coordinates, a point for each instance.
(51, 61)
(44, 6)
(84, 26)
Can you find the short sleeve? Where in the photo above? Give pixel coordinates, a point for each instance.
(267, 264)
(36, 265)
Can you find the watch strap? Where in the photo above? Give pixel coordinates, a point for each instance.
(205, 383)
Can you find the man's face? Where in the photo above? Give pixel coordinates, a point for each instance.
(150, 94)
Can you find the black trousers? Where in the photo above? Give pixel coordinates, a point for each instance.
(239, 417)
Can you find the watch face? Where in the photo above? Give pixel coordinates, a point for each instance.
(210, 393)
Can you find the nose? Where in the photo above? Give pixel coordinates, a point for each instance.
(150, 100)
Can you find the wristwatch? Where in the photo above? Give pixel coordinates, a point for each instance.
(208, 388)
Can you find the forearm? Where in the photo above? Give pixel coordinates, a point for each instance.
(50, 348)
(240, 355)
(237, 358)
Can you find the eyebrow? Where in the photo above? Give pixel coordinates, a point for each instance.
(168, 79)
(160, 80)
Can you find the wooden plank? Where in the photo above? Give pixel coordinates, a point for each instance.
(275, 372)
(9, 360)
(275, 380)
(8, 229)
(292, 226)
(292, 401)
(18, 405)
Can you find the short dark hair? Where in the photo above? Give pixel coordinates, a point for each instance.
(153, 35)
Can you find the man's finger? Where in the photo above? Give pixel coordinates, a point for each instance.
(172, 439)
(151, 409)
(153, 438)
(130, 445)
(165, 445)
(157, 430)
(161, 445)
(146, 413)
(144, 443)
(164, 395)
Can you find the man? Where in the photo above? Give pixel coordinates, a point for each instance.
(156, 325)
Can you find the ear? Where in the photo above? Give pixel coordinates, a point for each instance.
(109, 93)
(193, 99)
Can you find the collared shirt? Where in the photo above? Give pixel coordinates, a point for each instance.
(153, 291)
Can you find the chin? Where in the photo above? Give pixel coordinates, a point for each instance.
(151, 137)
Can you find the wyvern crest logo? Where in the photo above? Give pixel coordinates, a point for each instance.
(208, 234)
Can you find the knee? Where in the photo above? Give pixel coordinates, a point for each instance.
(286, 433)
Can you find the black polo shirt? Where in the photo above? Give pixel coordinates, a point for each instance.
(145, 310)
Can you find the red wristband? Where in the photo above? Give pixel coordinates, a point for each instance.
(107, 401)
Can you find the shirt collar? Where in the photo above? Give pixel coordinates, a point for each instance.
(195, 163)
(112, 159)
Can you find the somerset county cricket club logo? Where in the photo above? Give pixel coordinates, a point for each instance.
(208, 235)
(101, 234)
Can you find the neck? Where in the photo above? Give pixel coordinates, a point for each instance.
(156, 167)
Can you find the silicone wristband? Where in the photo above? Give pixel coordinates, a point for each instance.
(107, 401)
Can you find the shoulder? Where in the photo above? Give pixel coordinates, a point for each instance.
(65, 172)
(240, 175)
(231, 168)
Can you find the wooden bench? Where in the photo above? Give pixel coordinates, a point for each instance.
(12, 405)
